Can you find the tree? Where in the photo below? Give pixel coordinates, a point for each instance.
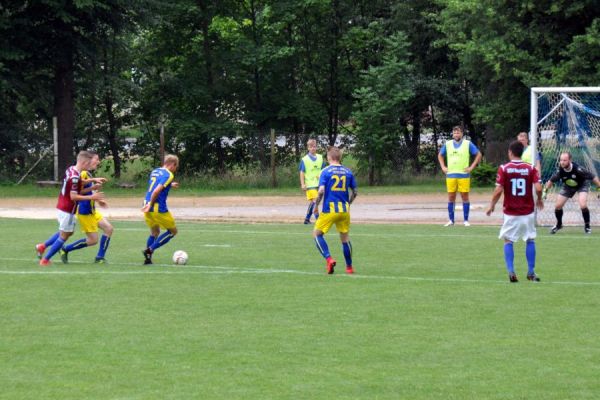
(385, 90)
(52, 38)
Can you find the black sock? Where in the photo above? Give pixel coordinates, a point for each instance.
(586, 216)
(559, 214)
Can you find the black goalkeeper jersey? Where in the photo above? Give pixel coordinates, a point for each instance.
(574, 179)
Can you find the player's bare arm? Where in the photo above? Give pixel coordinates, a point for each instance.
(94, 180)
(495, 197)
(540, 196)
(302, 183)
(475, 162)
(91, 188)
(153, 198)
(175, 185)
(319, 198)
(79, 197)
(353, 195)
(442, 163)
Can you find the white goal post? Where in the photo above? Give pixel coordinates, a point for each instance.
(566, 119)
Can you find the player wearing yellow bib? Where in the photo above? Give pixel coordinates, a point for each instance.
(155, 209)
(458, 152)
(310, 170)
(527, 156)
(335, 184)
(90, 219)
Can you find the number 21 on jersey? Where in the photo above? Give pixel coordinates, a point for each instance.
(339, 183)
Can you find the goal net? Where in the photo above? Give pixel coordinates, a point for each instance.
(566, 120)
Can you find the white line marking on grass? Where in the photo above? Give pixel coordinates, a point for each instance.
(377, 235)
(229, 270)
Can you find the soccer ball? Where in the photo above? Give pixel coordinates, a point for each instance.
(180, 257)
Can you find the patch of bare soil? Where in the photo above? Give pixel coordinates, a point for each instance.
(413, 208)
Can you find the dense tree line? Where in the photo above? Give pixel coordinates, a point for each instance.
(220, 75)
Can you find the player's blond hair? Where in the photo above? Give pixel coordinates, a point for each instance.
(171, 159)
(334, 153)
(85, 155)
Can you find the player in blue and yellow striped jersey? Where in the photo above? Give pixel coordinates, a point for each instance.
(337, 189)
(156, 212)
(90, 219)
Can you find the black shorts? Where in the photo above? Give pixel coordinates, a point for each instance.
(569, 192)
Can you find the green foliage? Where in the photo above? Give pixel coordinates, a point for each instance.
(504, 50)
(219, 75)
(484, 174)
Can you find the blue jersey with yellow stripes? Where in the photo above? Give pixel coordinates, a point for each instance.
(337, 180)
(86, 207)
(160, 176)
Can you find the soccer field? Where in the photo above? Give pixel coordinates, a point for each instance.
(429, 314)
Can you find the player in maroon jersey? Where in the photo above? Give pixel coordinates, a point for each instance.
(68, 197)
(516, 180)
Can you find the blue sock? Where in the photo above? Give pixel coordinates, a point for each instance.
(451, 211)
(56, 246)
(79, 244)
(509, 257)
(309, 212)
(104, 242)
(466, 208)
(150, 241)
(530, 254)
(322, 246)
(162, 240)
(347, 247)
(51, 240)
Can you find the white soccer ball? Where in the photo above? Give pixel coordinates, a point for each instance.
(180, 257)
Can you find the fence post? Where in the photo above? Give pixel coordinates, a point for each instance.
(55, 141)
(273, 171)
(162, 140)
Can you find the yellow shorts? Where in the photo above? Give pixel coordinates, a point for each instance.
(164, 220)
(341, 221)
(311, 194)
(89, 222)
(462, 185)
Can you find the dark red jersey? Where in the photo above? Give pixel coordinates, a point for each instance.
(517, 178)
(71, 183)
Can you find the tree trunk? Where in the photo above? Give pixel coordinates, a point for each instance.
(468, 117)
(207, 53)
(112, 133)
(334, 75)
(64, 108)
(110, 115)
(371, 170)
(416, 140)
(435, 137)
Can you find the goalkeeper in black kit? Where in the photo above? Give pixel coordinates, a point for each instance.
(575, 179)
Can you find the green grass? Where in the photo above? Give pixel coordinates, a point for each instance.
(428, 315)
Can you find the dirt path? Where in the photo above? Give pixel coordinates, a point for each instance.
(419, 208)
